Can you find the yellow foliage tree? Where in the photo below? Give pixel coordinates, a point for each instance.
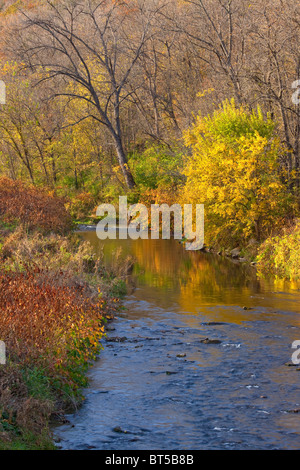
(234, 170)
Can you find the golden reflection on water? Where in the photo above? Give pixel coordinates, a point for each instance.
(193, 282)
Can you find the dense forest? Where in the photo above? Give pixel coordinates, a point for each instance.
(160, 100)
(186, 101)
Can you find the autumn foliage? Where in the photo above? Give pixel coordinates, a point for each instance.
(234, 170)
(52, 332)
(52, 310)
(46, 323)
(33, 207)
(280, 255)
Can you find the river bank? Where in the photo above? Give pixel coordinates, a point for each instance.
(55, 301)
(55, 298)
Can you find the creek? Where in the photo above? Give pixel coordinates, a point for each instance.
(162, 388)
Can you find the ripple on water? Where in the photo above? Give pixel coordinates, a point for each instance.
(161, 388)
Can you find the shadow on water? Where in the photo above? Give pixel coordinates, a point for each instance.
(163, 387)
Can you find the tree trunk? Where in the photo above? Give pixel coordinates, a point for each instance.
(124, 164)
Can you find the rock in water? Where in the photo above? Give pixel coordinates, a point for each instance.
(210, 341)
(119, 430)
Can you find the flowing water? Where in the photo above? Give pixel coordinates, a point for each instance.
(161, 388)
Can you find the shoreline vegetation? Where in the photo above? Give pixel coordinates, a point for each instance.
(55, 300)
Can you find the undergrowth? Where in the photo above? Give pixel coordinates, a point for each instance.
(280, 255)
(55, 298)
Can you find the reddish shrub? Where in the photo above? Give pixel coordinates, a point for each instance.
(33, 207)
(49, 324)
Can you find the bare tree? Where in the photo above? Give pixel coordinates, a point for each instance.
(215, 28)
(273, 64)
(94, 45)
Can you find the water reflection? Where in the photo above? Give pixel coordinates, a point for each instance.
(167, 274)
